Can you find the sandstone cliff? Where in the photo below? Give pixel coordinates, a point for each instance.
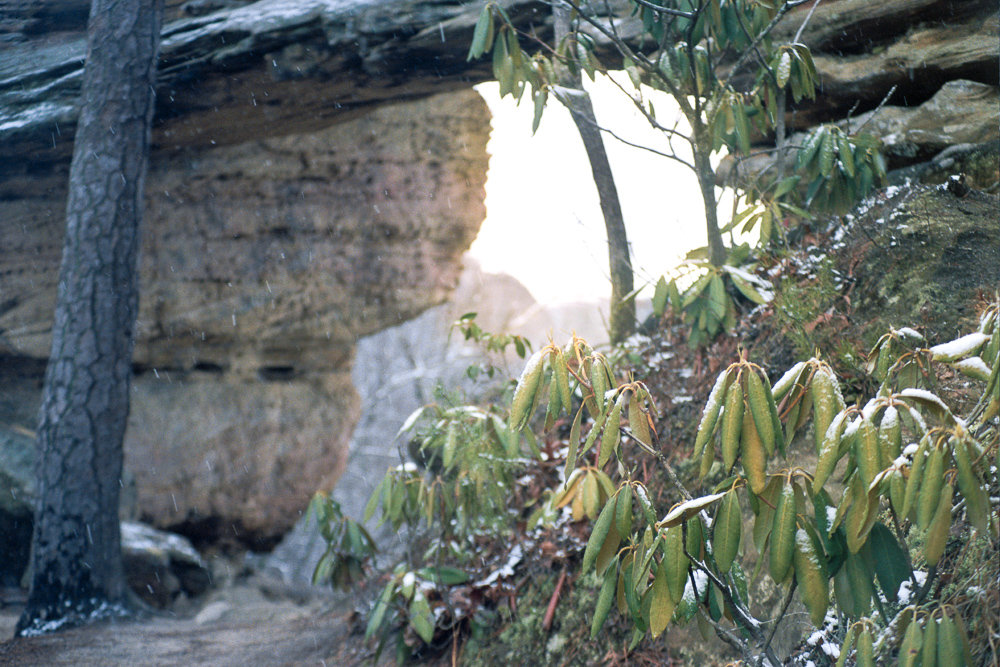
(262, 265)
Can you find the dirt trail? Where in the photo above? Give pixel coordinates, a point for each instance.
(242, 626)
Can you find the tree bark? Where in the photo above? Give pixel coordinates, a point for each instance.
(717, 252)
(622, 320)
(76, 566)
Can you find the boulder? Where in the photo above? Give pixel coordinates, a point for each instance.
(161, 567)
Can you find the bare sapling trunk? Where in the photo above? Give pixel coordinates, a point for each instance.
(622, 320)
(706, 182)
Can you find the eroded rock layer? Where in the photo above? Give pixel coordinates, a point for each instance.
(262, 265)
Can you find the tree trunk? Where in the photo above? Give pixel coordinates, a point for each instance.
(76, 567)
(622, 320)
(706, 182)
(779, 134)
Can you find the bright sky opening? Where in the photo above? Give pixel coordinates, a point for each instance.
(544, 224)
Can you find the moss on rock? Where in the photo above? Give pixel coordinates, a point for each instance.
(923, 257)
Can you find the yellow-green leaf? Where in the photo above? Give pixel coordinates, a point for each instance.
(662, 604)
(761, 411)
(937, 532)
(783, 534)
(611, 437)
(732, 424)
(727, 530)
(810, 571)
(710, 414)
(598, 535)
(604, 600)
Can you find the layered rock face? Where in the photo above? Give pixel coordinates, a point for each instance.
(921, 75)
(862, 49)
(262, 265)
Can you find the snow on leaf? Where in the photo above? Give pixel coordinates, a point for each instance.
(960, 347)
(907, 332)
(531, 364)
(928, 400)
(686, 510)
(974, 367)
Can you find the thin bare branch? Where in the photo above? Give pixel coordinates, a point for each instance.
(741, 614)
(798, 33)
(669, 156)
(664, 10)
(777, 621)
(785, 8)
(877, 109)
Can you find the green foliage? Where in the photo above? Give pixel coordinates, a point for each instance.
(490, 342)
(709, 304)
(766, 209)
(469, 458)
(349, 546)
(839, 168)
(851, 552)
(403, 613)
(793, 67)
(697, 37)
(896, 506)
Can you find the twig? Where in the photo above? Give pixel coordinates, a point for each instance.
(637, 102)
(878, 108)
(550, 611)
(931, 573)
(728, 637)
(674, 479)
(798, 33)
(777, 621)
(671, 156)
(850, 114)
(741, 615)
(670, 133)
(664, 10)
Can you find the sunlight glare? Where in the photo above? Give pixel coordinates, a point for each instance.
(544, 224)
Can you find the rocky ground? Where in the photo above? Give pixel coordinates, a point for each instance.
(248, 621)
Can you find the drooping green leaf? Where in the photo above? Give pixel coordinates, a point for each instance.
(482, 35)
(421, 617)
(890, 560)
(598, 535)
(605, 598)
(660, 296)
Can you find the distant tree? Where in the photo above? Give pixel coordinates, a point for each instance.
(622, 315)
(76, 565)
